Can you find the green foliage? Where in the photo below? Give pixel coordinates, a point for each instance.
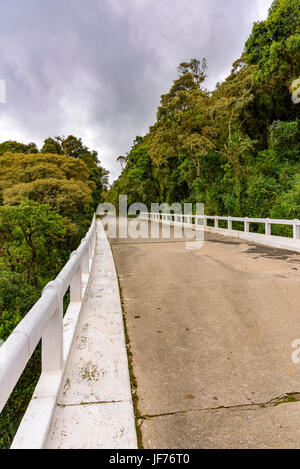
(274, 44)
(60, 181)
(274, 49)
(15, 296)
(51, 146)
(16, 147)
(8, 322)
(31, 246)
(236, 149)
(46, 203)
(288, 204)
(74, 148)
(139, 182)
(260, 195)
(29, 233)
(16, 406)
(285, 140)
(65, 196)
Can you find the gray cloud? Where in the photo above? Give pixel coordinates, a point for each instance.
(97, 68)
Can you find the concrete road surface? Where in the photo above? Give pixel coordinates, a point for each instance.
(210, 332)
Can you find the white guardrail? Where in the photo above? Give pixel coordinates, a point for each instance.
(45, 321)
(201, 220)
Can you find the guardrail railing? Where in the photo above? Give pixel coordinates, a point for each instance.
(45, 320)
(201, 220)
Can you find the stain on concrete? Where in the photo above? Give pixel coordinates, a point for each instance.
(222, 241)
(89, 372)
(273, 253)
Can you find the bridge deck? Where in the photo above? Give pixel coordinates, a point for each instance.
(211, 332)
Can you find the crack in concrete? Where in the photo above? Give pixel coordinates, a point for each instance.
(88, 403)
(283, 399)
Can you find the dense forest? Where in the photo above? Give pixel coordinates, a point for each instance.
(47, 200)
(237, 148)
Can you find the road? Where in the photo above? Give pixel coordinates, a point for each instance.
(210, 334)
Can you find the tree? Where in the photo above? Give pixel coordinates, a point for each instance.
(73, 147)
(16, 147)
(49, 199)
(29, 233)
(52, 146)
(285, 139)
(274, 44)
(33, 249)
(274, 47)
(62, 182)
(196, 68)
(122, 160)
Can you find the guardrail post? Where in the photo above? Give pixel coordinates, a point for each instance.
(90, 249)
(267, 227)
(76, 286)
(52, 338)
(229, 224)
(205, 221)
(246, 225)
(94, 239)
(85, 268)
(296, 229)
(216, 222)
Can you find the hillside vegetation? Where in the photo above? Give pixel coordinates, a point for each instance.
(237, 149)
(47, 200)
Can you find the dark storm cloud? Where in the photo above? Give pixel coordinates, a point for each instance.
(97, 68)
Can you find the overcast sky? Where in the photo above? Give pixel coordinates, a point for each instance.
(96, 68)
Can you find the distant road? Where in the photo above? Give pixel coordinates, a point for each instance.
(210, 333)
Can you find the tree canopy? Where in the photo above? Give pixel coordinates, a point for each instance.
(47, 199)
(237, 148)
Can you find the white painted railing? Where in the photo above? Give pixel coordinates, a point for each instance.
(45, 320)
(201, 220)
